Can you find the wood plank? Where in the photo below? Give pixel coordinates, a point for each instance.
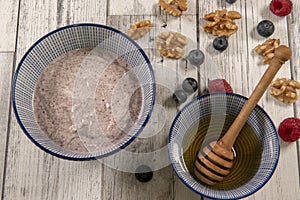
(230, 64)
(169, 74)
(294, 34)
(8, 24)
(235, 67)
(151, 145)
(183, 69)
(126, 186)
(143, 7)
(52, 178)
(174, 72)
(181, 191)
(55, 15)
(31, 173)
(136, 7)
(284, 184)
(6, 65)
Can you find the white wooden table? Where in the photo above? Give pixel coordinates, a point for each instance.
(28, 173)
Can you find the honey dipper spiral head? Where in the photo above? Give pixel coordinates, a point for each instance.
(213, 163)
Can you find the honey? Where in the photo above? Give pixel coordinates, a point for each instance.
(247, 148)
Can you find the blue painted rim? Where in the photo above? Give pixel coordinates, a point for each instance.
(92, 157)
(227, 94)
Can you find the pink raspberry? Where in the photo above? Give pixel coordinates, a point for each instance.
(219, 85)
(289, 129)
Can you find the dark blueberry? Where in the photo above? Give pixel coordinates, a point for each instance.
(143, 173)
(231, 1)
(179, 96)
(265, 28)
(196, 57)
(189, 85)
(164, 25)
(220, 43)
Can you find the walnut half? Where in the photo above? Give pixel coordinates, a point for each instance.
(171, 44)
(139, 29)
(220, 22)
(267, 49)
(173, 7)
(285, 90)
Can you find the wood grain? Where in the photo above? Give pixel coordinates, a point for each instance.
(230, 64)
(8, 24)
(284, 183)
(243, 69)
(143, 7)
(6, 66)
(167, 73)
(183, 69)
(152, 143)
(55, 15)
(293, 27)
(31, 173)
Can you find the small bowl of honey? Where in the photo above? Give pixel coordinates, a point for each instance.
(206, 119)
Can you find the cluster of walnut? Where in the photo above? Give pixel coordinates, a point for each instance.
(173, 7)
(267, 49)
(171, 44)
(139, 29)
(220, 22)
(285, 90)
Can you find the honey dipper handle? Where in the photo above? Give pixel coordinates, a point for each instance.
(282, 54)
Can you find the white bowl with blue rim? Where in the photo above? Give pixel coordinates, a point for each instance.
(66, 39)
(256, 149)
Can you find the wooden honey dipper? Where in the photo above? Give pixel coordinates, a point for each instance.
(214, 161)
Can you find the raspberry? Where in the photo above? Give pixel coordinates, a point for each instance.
(219, 85)
(289, 129)
(281, 7)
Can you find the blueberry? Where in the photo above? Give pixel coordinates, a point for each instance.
(189, 85)
(220, 43)
(143, 173)
(196, 57)
(265, 28)
(231, 1)
(179, 96)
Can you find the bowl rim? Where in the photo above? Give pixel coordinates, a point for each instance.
(261, 184)
(125, 143)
